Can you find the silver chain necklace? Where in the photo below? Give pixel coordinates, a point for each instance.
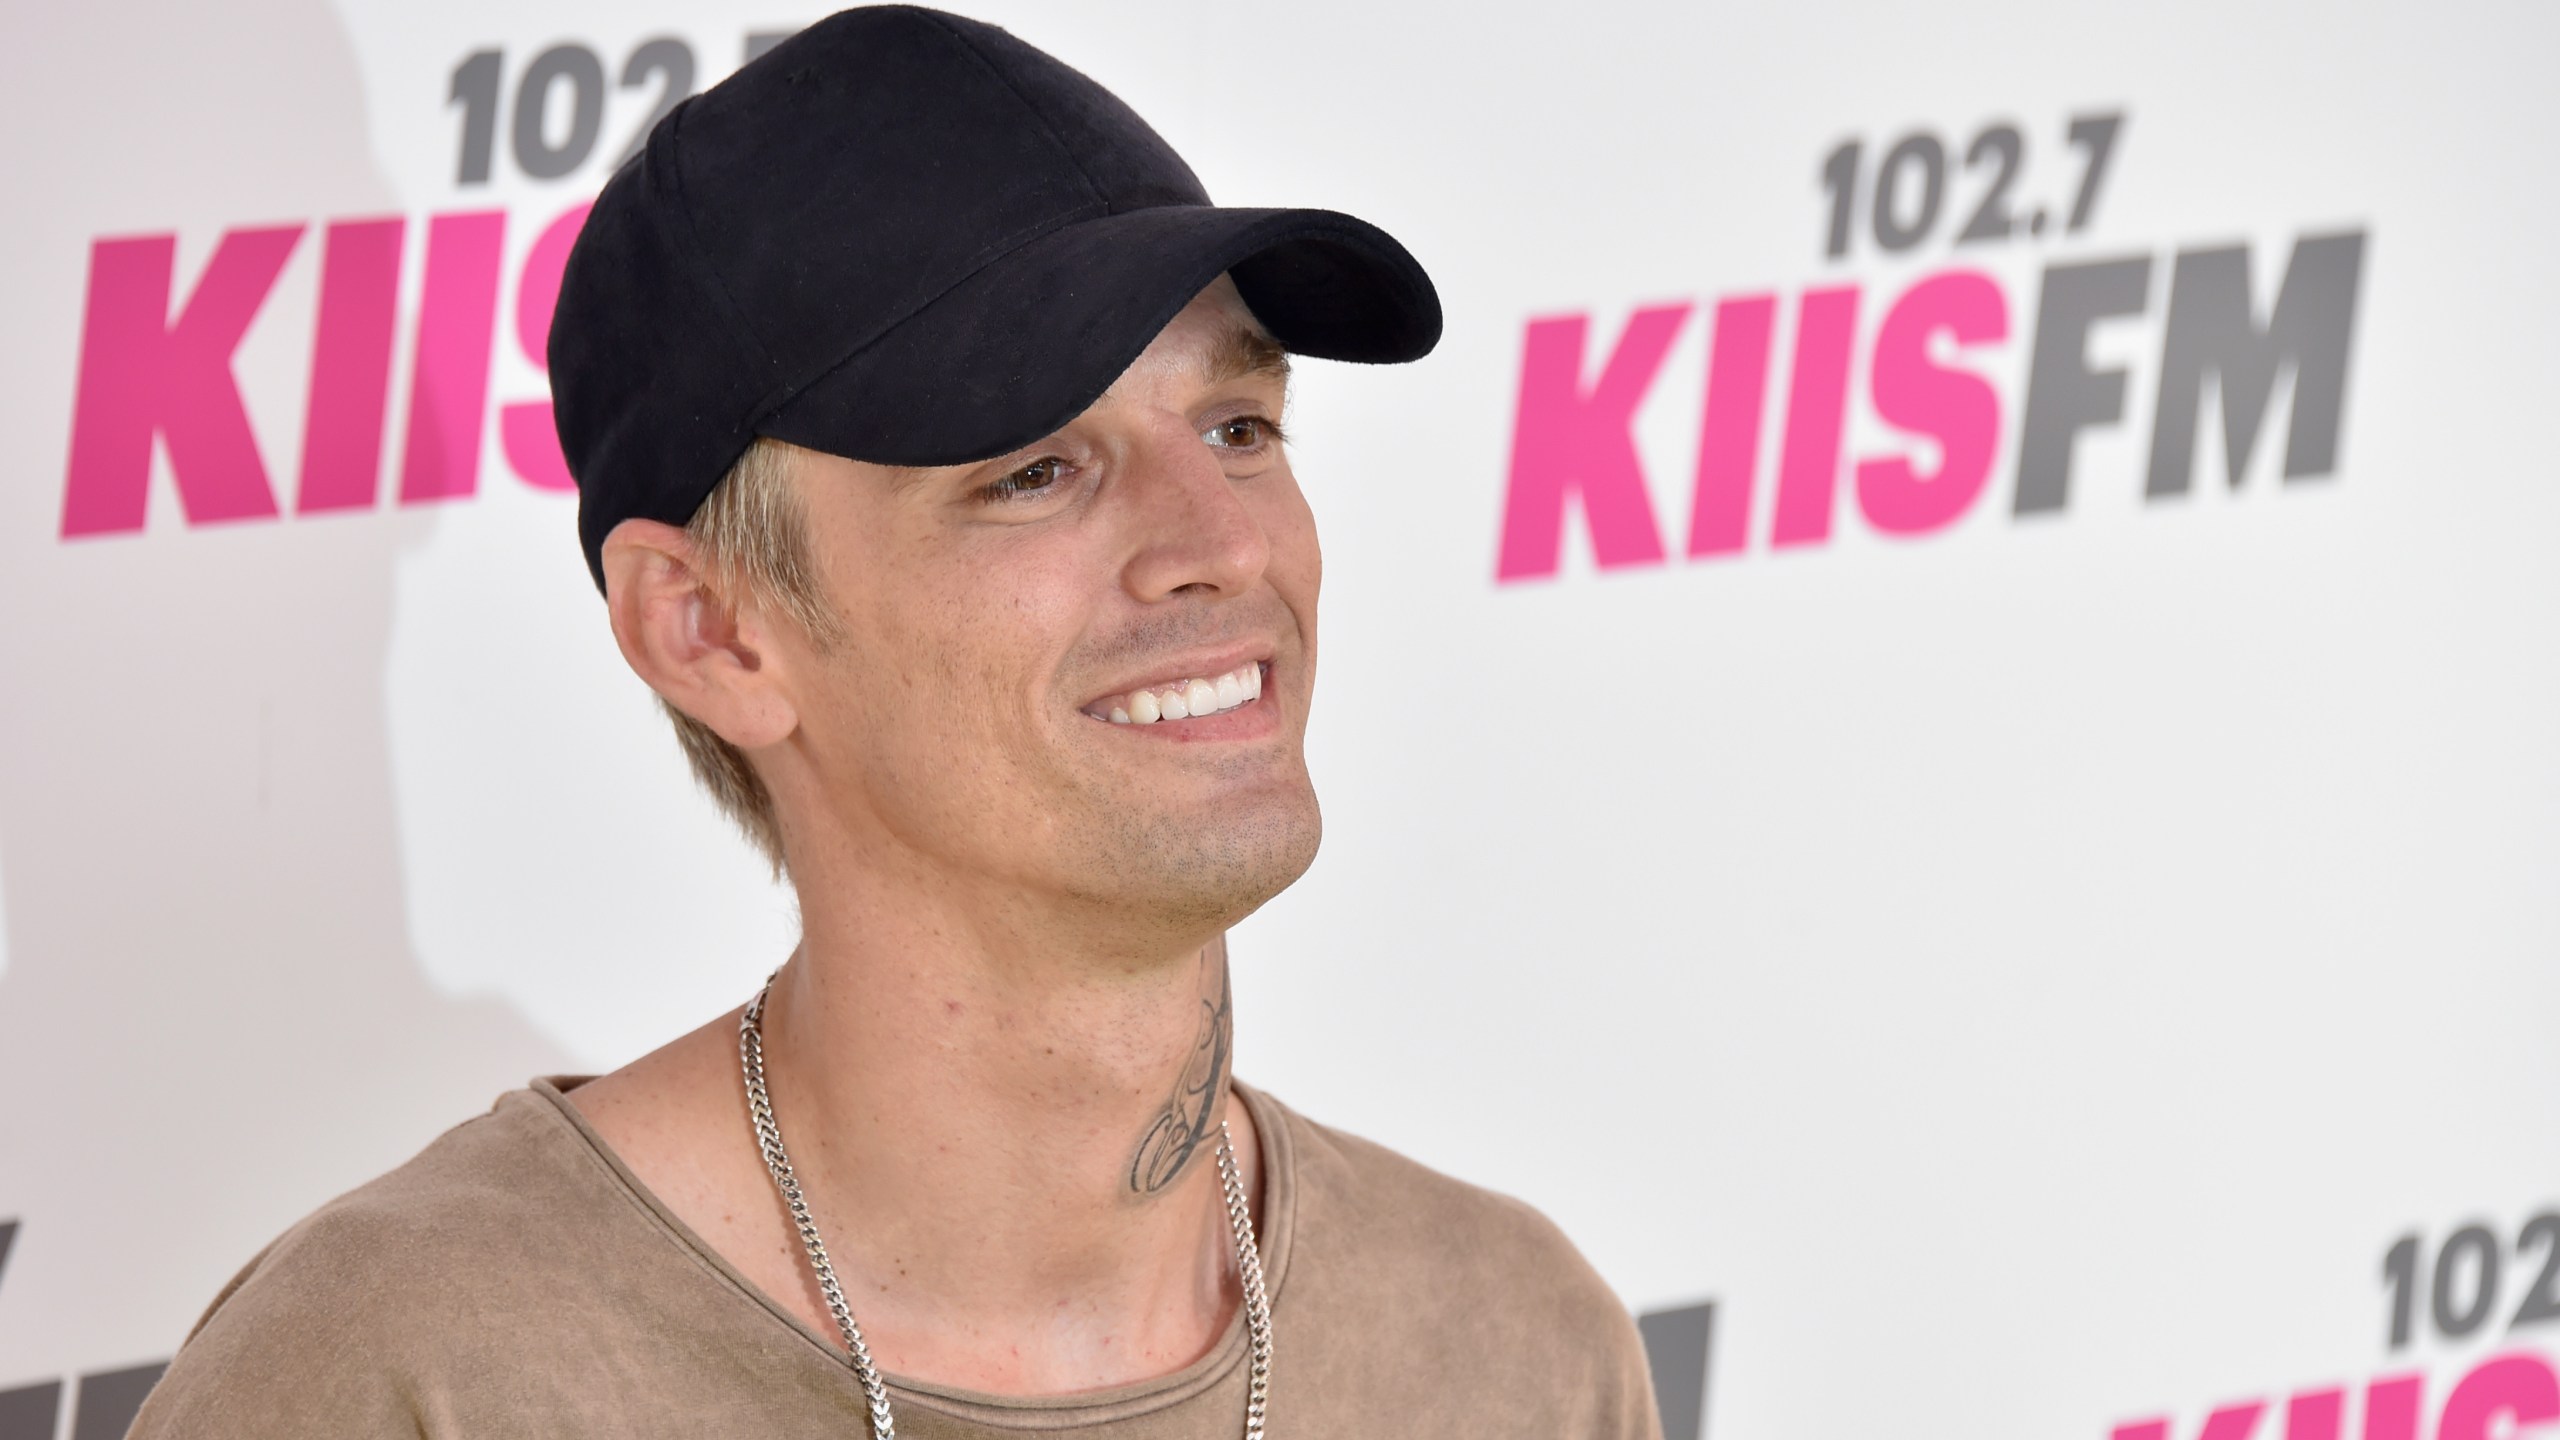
(1257, 1302)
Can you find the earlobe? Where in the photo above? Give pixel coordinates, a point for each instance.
(686, 641)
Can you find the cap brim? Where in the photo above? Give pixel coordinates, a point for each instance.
(1033, 338)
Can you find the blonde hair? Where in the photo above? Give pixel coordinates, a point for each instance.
(751, 542)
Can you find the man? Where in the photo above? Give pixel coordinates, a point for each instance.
(925, 417)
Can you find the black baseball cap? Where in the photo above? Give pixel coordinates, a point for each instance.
(910, 238)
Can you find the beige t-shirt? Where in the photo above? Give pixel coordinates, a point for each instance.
(516, 1279)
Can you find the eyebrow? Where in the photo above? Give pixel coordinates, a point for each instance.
(1246, 351)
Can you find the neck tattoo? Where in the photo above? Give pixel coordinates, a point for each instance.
(1174, 1137)
(1170, 1142)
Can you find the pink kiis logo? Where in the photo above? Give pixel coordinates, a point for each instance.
(1573, 442)
(2502, 1396)
(146, 369)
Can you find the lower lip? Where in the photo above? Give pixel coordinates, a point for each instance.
(1252, 720)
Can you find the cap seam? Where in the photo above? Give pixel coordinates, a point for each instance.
(690, 236)
(790, 390)
(1048, 127)
(787, 390)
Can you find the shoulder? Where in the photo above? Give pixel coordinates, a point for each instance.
(1357, 1195)
(347, 1311)
(1386, 1245)
(478, 1206)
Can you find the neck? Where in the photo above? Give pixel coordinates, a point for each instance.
(1012, 1151)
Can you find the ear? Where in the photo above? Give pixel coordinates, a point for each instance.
(704, 655)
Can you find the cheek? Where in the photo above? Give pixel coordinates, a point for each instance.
(949, 657)
(898, 673)
(972, 644)
(1297, 562)
(922, 716)
(939, 647)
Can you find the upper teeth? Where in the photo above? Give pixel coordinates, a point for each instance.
(1186, 699)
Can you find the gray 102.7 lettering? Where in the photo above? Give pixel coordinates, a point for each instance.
(556, 110)
(2460, 1284)
(1906, 193)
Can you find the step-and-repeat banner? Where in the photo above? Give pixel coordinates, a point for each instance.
(1939, 718)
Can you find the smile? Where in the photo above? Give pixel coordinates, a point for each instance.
(1182, 699)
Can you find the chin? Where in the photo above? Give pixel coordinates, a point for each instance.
(1192, 875)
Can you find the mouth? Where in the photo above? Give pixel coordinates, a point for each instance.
(1189, 698)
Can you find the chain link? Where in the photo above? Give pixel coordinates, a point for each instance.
(1257, 1302)
(769, 1140)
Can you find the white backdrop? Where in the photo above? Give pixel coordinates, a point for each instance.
(2027, 975)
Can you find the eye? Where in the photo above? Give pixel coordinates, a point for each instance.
(1245, 433)
(1032, 479)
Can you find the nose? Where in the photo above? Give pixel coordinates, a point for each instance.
(1195, 531)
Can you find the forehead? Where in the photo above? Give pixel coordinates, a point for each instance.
(1214, 339)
